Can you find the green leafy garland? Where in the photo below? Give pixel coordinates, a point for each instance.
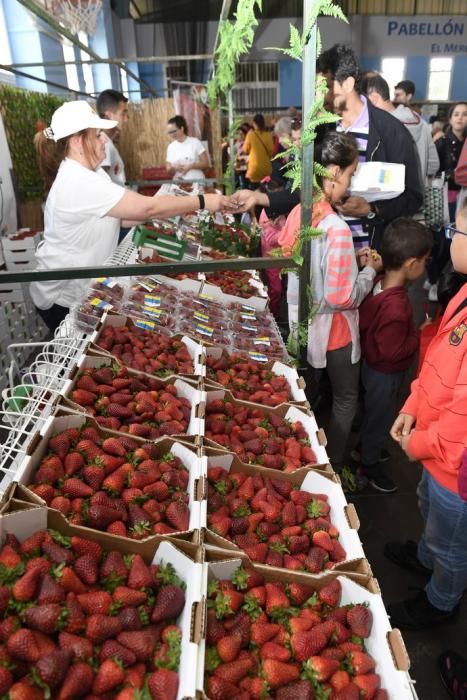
(235, 39)
(229, 173)
(21, 110)
(317, 116)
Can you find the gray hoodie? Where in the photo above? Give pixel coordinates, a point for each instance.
(421, 134)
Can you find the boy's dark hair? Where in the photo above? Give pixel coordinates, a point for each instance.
(376, 83)
(179, 122)
(403, 239)
(408, 86)
(336, 148)
(109, 100)
(258, 119)
(341, 62)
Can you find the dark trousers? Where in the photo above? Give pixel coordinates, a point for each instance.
(54, 316)
(344, 378)
(381, 395)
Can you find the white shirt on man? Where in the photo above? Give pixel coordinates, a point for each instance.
(113, 161)
(77, 230)
(184, 152)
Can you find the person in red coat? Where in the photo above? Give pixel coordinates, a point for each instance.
(389, 339)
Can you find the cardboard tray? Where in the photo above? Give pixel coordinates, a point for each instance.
(195, 465)
(187, 390)
(21, 520)
(317, 435)
(343, 515)
(384, 643)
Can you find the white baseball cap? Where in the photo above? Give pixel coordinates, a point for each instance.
(72, 117)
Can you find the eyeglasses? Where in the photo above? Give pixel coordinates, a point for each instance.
(450, 232)
(174, 131)
(296, 124)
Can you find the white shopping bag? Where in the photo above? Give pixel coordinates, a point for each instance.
(375, 181)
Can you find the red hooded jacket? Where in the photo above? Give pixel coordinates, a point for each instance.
(388, 336)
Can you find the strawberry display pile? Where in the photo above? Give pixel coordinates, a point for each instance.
(114, 484)
(140, 406)
(233, 239)
(235, 282)
(273, 521)
(76, 622)
(257, 436)
(289, 642)
(248, 380)
(154, 353)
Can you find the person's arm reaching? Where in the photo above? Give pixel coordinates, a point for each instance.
(136, 207)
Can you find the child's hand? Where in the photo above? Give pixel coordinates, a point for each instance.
(375, 261)
(402, 426)
(362, 255)
(404, 443)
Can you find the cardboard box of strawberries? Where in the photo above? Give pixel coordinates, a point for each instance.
(86, 617)
(115, 483)
(273, 636)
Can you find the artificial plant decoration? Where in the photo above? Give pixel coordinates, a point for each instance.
(23, 112)
(235, 39)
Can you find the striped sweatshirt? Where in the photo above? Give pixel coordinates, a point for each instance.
(338, 288)
(438, 399)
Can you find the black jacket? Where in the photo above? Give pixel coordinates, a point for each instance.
(389, 141)
(449, 148)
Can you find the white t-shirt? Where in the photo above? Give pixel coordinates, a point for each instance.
(77, 232)
(183, 152)
(113, 161)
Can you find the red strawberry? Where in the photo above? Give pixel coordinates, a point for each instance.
(262, 632)
(87, 568)
(62, 504)
(323, 540)
(115, 482)
(111, 649)
(117, 528)
(141, 643)
(32, 544)
(78, 681)
(52, 669)
(102, 627)
(75, 488)
(360, 619)
(56, 553)
(114, 566)
(114, 446)
(339, 679)
(6, 680)
(130, 619)
(83, 546)
(330, 594)
(271, 650)
(96, 602)
(298, 690)
(86, 382)
(22, 645)
(60, 444)
(109, 675)
(25, 588)
(368, 684)
(315, 561)
(178, 515)
(44, 491)
(298, 593)
(361, 662)
(306, 644)
(25, 690)
(83, 397)
(170, 602)
(45, 618)
(234, 671)
(219, 689)
(276, 598)
(49, 591)
(320, 669)
(70, 581)
(163, 684)
(128, 596)
(81, 647)
(277, 674)
(100, 517)
(140, 575)
(93, 475)
(76, 620)
(229, 647)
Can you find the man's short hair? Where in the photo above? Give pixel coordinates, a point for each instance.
(342, 63)
(376, 83)
(108, 101)
(403, 239)
(407, 86)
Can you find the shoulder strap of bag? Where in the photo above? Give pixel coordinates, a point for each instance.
(262, 143)
(461, 306)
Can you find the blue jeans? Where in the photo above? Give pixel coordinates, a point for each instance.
(443, 546)
(381, 393)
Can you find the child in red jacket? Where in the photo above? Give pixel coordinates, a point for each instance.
(389, 339)
(432, 428)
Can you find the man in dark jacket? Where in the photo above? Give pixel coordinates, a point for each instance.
(380, 137)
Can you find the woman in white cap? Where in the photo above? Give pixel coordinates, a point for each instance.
(84, 207)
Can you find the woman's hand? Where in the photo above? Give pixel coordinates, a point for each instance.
(401, 427)
(218, 202)
(244, 200)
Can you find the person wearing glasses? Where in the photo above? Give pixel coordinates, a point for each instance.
(187, 158)
(432, 428)
(84, 207)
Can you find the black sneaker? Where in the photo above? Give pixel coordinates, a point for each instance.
(404, 554)
(380, 481)
(417, 613)
(452, 668)
(356, 455)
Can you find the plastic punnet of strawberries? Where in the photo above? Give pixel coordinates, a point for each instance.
(257, 436)
(78, 622)
(114, 484)
(286, 641)
(248, 381)
(234, 282)
(272, 521)
(141, 406)
(146, 351)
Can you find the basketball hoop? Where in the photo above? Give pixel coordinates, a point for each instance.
(75, 15)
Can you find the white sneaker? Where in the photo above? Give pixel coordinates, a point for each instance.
(433, 292)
